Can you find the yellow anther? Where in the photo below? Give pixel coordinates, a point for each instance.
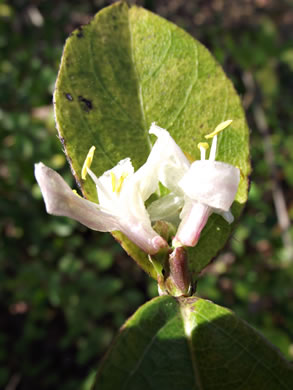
(113, 181)
(76, 193)
(117, 184)
(87, 162)
(120, 182)
(219, 128)
(203, 145)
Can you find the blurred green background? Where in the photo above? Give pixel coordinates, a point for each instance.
(65, 290)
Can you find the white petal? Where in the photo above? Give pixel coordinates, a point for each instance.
(144, 182)
(124, 166)
(142, 235)
(106, 194)
(213, 183)
(166, 208)
(61, 200)
(135, 220)
(194, 217)
(170, 159)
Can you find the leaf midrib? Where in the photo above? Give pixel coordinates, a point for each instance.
(139, 84)
(197, 379)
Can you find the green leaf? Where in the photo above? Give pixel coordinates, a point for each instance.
(127, 69)
(191, 343)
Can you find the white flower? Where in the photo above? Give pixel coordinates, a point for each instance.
(200, 189)
(196, 191)
(121, 194)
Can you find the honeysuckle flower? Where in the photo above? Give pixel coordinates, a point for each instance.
(204, 187)
(172, 166)
(121, 193)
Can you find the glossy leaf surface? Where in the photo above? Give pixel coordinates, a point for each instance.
(191, 344)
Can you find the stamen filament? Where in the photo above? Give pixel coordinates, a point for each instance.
(203, 146)
(213, 151)
(98, 184)
(214, 134)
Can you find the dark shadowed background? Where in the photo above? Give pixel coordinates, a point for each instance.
(65, 290)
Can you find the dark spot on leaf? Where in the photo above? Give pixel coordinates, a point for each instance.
(80, 32)
(69, 97)
(86, 104)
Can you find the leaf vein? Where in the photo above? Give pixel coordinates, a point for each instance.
(139, 86)
(189, 91)
(144, 355)
(100, 81)
(164, 58)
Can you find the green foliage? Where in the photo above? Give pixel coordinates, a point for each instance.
(191, 343)
(127, 69)
(48, 340)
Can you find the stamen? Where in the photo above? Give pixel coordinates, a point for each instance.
(219, 128)
(93, 177)
(88, 162)
(117, 184)
(113, 181)
(99, 185)
(203, 146)
(213, 151)
(120, 182)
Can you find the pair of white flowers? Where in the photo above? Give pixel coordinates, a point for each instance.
(197, 190)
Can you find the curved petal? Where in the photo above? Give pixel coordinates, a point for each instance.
(145, 180)
(171, 162)
(213, 183)
(136, 224)
(227, 215)
(143, 235)
(61, 200)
